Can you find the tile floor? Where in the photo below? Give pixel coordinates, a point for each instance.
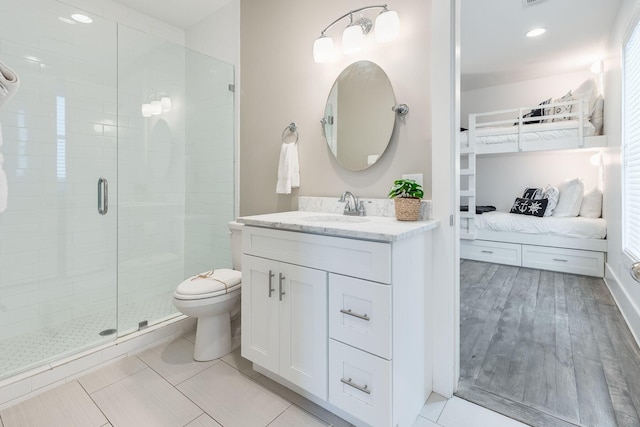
(164, 386)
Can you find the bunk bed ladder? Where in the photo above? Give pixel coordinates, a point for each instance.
(468, 183)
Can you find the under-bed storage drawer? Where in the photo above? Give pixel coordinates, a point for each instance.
(360, 384)
(589, 263)
(498, 252)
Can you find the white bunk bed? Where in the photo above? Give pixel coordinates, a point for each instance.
(492, 133)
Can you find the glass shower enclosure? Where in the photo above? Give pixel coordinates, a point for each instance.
(119, 155)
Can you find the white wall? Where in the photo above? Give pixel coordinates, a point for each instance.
(503, 177)
(281, 84)
(623, 288)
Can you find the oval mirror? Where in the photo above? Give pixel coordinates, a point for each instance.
(358, 120)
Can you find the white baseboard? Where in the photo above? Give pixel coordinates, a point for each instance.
(28, 384)
(627, 307)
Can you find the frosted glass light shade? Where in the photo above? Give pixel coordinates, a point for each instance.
(156, 108)
(352, 39)
(165, 103)
(387, 26)
(146, 110)
(322, 49)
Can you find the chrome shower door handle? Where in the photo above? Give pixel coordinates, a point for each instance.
(103, 196)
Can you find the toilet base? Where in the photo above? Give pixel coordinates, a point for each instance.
(218, 328)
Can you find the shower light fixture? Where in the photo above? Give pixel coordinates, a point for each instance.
(387, 28)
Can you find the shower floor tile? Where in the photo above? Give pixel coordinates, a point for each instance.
(27, 351)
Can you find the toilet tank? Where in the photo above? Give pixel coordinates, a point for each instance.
(235, 229)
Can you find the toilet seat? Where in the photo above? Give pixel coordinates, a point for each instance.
(210, 284)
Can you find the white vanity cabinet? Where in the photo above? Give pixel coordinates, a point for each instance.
(350, 331)
(287, 327)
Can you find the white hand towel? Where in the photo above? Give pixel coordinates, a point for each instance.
(4, 187)
(288, 169)
(295, 167)
(9, 83)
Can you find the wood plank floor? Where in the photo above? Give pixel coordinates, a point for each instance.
(545, 348)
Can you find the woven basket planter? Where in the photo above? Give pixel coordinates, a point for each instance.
(407, 208)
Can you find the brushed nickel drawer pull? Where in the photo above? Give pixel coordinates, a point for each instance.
(364, 389)
(561, 260)
(271, 289)
(280, 280)
(351, 313)
(487, 252)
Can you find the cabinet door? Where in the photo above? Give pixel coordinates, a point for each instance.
(260, 312)
(303, 329)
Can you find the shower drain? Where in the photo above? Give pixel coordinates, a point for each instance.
(107, 332)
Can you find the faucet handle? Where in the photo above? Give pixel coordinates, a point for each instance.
(361, 209)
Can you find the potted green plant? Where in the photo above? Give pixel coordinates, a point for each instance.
(406, 194)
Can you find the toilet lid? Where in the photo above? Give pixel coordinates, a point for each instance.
(219, 281)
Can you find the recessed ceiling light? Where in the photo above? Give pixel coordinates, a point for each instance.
(536, 32)
(83, 19)
(67, 20)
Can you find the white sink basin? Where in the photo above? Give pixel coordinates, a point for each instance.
(334, 218)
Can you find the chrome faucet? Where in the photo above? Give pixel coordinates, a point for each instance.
(357, 209)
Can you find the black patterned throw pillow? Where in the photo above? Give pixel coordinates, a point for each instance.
(536, 112)
(529, 206)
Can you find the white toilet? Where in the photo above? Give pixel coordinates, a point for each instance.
(213, 298)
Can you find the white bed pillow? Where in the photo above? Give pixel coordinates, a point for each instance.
(588, 93)
(591, 204)
(597, 119)
(550, 193)
(570, 200)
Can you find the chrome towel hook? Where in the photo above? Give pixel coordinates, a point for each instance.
(291, 128)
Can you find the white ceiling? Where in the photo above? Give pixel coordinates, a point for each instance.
(494, 49)
(179, 13)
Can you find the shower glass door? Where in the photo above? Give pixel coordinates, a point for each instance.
(119, 153)
(175, 172)
(57, 240)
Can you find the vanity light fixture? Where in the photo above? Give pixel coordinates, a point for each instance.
(536, 32)
(157, 103)
(387, 28)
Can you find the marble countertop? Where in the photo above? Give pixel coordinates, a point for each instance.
(377, 228)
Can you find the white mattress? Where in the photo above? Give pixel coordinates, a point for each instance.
(532, 132)
(578, 227)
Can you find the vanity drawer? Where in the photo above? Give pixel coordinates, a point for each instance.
(360, 314)
(589, 263)
(360, 384)
(498, 252)
(359, 258)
